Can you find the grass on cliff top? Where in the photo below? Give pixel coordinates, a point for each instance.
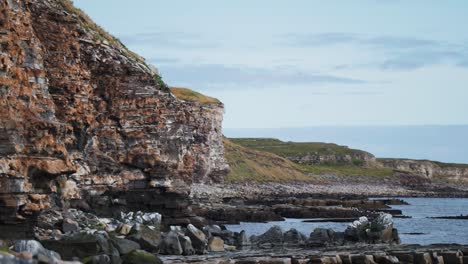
(193, 96)
(248, 165)
(288, 149)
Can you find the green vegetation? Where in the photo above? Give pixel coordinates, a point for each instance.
(257, 166)
(289, 149)
(263, 160)
(190, 95)
(160, 83)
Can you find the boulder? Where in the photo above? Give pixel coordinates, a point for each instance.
(241, 239)
(216, 244)
(198, 239)
(35, 248)
(83, 245)
(294, 237)
(321, 237)
(273, 236)
(124, 246)
(140, 257)
(148, 238)
(186, 244)
(380, 230)
(452, 257)
(170, 244)
(70, 225)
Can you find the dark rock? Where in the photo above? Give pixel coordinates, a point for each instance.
(170, 244)
(148, 238)
(70, 225)
(83, 245)
(422, 258)
(124, 246)
(294, 237)
(273, 236)
(452, 257)
(140, 257)
(99, 259)
(198, 238)
(241, 240)
(186, 244)
(321, 237)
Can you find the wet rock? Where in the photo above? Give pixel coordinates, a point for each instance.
(242, 240)
(294, 237)
(216, 244)
(170, 244)
(274, 236)
(124, 246)
(198, 239)
(422, 258)
(452, 257)
(404, 256)
(148, 238)
(363, 259)
(321, 237)
(140, 257)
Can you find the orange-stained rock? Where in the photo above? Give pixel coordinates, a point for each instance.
(81, 116)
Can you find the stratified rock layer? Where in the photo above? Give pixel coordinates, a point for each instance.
(82, 117)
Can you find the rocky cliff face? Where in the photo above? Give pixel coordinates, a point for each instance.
(429, 169)
(85, 121)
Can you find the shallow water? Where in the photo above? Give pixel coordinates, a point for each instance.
(434, 230)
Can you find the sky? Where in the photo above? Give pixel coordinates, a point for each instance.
(306, 62)
(395, 68)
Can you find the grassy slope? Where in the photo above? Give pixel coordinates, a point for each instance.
(237, 149)
(249, 164)
(293, 148)
(190, 95)
(252, 165)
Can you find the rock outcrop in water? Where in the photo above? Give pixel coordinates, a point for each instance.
(85, 122)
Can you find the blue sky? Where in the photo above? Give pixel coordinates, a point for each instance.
(306, 63)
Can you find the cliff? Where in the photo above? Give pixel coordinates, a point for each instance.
(85, 122)
(429, 169)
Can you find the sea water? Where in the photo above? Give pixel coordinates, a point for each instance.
(419, 229)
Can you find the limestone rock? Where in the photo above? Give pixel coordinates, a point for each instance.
(216, 244)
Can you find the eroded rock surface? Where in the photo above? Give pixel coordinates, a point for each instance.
(82, 117)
